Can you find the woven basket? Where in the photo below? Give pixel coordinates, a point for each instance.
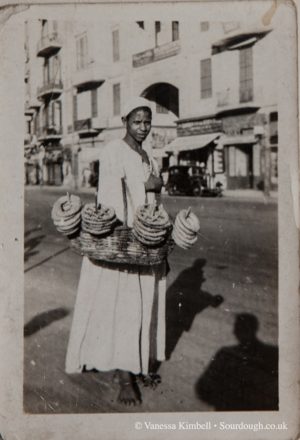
(121, 246)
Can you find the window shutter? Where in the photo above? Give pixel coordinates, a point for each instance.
(175, 30)
(74, 108)
(246, 74)
(94, 102)
(116, 99)
(54, 26)
(206, 78)
(116, 45)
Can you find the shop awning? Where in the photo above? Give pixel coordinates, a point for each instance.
(158, 153)
(187, 143)
(239, 39)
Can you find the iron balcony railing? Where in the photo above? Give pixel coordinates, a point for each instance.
(50, 131)
(52, 88)
(90, 124)
(48, 45)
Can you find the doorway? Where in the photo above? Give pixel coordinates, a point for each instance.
(239, 166)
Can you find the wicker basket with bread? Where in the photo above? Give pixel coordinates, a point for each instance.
(95, 231)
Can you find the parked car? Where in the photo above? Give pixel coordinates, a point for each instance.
(191, 181)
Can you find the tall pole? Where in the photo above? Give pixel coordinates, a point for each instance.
(267, 160)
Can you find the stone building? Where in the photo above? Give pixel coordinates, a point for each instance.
(212, 86)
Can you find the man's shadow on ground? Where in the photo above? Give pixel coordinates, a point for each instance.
(243, 377)
(44, 319)
(31, 242)
(185, 299)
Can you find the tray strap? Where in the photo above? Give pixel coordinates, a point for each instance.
(124, 202)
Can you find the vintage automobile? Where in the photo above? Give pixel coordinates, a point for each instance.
(191, 181)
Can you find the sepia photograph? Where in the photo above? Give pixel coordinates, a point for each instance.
(154, 186)
(187, 115)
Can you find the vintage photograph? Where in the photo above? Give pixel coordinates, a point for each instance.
(151, 220)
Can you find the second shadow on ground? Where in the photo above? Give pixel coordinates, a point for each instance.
(44, 319)
(242, 377)
(185, 299)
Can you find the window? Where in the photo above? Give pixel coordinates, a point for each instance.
(46, 71)
(28, 127)
(81, 52)
(273, 128)
(54, 26)
(246, 74)
(237, 162)
(50, 115)
(274, 166)
(157, 31)
(116, 45)
(94, 102)
(84, 105)
(52, 72)
(206, 81)
(75, 108)
(161, 109)
(141, 24)
(204, 26)
(56, 115)
(37, 123)
(55, 74)
(175, 30)
(44, 28)
(116, 99)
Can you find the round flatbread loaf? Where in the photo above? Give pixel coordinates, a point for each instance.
(66, 207)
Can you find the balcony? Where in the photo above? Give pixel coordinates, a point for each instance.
(89, 127)
(156, 54)
(89, 77)
(234, 101)
(28, 111)
(239, 38)
(52, 89)
(50, 133)
(34, 103)
(49, 45)
(27, 139)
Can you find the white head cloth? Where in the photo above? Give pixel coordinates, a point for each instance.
(134, 103)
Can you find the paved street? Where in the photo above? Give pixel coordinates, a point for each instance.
(216, 360)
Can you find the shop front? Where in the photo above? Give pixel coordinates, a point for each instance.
(243, 152)
(242, 158)
(198, 144)
(227, 146)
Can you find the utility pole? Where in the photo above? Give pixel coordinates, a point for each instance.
(260, 134)
(267, 161)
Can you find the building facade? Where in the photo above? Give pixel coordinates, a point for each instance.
(212, 86)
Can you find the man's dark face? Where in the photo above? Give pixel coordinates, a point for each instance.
(138, 124)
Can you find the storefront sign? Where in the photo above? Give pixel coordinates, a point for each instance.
(203, 126)
(242, 124)
(218, 161)
(157, 53)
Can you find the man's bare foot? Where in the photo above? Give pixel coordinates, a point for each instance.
(151, 380)
(129, 391)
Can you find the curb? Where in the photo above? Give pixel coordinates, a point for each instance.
(238, 195)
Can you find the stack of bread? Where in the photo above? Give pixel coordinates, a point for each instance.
(151, 225)
(98, 220)
(186, 228)
(66, 214)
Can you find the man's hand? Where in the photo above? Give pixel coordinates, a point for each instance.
(154, 184)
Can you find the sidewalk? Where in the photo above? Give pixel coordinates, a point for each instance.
(250, 194)
(235, 194)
